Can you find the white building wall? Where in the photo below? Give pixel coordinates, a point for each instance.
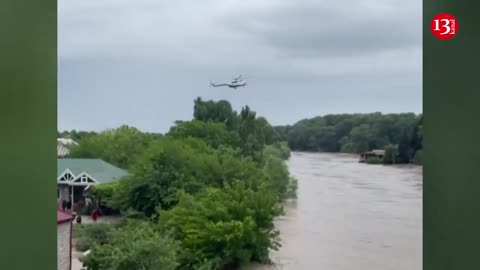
(63, 246)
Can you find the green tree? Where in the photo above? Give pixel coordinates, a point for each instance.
(220, 227)
(360, 138)
(254, 132)
(252, 137)
(136, 246)
(119, 146)
(214, 134)
(326, 139)
(171, 166)
(292, 188)
(278, 175)
(268, 133)
(419, 157)
(216, 111)
(168, 166)
(103, 194)
(278, 149)
(391, 154)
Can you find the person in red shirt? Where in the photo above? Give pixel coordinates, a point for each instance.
(95, 215)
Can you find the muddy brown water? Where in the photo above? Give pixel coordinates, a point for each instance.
(350, 216)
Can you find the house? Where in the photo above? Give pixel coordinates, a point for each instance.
(75, 175)
(64, 145)
(374, 153)
(64, 241)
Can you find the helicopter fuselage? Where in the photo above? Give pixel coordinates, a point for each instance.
(233, 84)
(237, 84)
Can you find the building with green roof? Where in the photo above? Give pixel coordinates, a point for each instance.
(75, 175)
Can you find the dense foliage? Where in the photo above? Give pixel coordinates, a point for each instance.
(136, 246)
(214, 134)
(254, 132)
(206, 192)
(188, 165)
(354, 133)
(119, 146)
(76, 135)
(87, 235)
(391, 151)
(224, 227)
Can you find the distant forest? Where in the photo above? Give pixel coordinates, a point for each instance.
(355, 133)
(347, 133)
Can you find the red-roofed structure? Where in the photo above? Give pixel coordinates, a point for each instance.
(63, 217)
(64, 240)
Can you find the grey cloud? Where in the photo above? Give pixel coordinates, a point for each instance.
(330, 29)
(143, 62)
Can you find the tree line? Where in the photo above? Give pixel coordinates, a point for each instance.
(355, 133)
(202, 196)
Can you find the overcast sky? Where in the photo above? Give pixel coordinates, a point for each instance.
(143, 62)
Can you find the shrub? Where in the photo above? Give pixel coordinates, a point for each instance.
(171, 166)
(292, 188)
(228, 226)
(278, 175)
(278, 150)
(89, 234)
(98, 232)
(83, 244)
(133, 214)
(103, 194)
(138, 245)
(419, 157)
(375, 160)
(348, 147)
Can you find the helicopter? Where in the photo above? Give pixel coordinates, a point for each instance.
(235, 83)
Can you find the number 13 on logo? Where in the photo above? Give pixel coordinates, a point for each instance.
(444, 26)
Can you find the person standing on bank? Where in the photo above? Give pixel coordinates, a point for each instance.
(64, 205)
(95, 215)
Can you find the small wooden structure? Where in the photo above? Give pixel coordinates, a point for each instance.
(374, 153)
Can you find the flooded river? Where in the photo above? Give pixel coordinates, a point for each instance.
(351, 216)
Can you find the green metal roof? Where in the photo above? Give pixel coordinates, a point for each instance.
(102, 171)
